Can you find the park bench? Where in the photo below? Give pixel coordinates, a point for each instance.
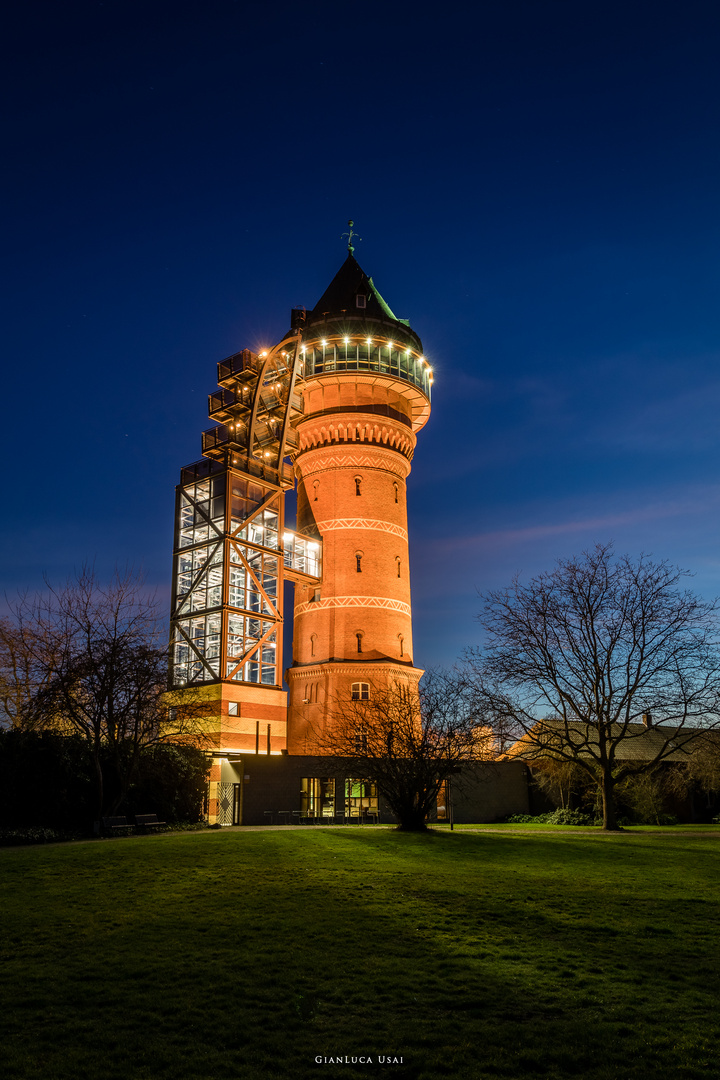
(115, 826)
(149, 821)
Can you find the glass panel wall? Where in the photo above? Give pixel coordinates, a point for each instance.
(317, 796)
(301, 553)
(359, 355)
(226, 579)
(196, 649)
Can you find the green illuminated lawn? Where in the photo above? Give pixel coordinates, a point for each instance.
(246, 954)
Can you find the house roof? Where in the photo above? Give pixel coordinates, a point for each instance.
(633, 742)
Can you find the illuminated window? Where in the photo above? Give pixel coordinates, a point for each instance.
(317, 796)
(360, 691)
(361, 797)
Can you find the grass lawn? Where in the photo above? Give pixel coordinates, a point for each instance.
(513, 954)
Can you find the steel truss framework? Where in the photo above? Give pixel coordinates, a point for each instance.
(232, 553)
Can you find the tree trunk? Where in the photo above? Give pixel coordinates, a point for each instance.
(607, 787)
(99, 787)
(410, 819)
(412, 825)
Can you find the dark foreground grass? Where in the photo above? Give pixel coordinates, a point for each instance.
(249, 954)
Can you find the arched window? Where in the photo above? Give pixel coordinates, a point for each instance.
(358, 561)
(313, 639)
(358, 482)
(396, 490)
(401, 639)
(397, 563)
(359, 636)
(316, 485)
(360, 691)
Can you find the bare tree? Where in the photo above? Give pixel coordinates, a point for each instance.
(563, 781)
(409, 741)
(26, 665)
(99, 659)
(699, 774)
(574, 659)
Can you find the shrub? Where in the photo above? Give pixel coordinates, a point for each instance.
(569, 817)
(554, 817)
(30, 835)
(170, 781)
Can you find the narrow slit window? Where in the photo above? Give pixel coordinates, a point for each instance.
(358, 561)
(359, 641)
(401, 639)
(358, 482)
(396, 491)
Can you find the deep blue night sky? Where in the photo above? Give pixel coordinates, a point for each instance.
(536, 183)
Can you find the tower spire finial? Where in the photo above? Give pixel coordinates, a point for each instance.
(350, 235)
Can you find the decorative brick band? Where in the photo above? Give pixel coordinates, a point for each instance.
(387, 436)
(339, 667)
(362, 523)
(322, 460)
(383, 602)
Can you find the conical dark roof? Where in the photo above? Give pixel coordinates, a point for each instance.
(351, 304)
(341, 295)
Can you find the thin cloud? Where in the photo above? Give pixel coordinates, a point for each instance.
(599, 525)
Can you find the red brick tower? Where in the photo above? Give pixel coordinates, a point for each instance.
(366, 391)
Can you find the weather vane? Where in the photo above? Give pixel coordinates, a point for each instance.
(350, 235)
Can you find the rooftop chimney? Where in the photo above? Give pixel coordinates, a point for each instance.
(647, 719)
